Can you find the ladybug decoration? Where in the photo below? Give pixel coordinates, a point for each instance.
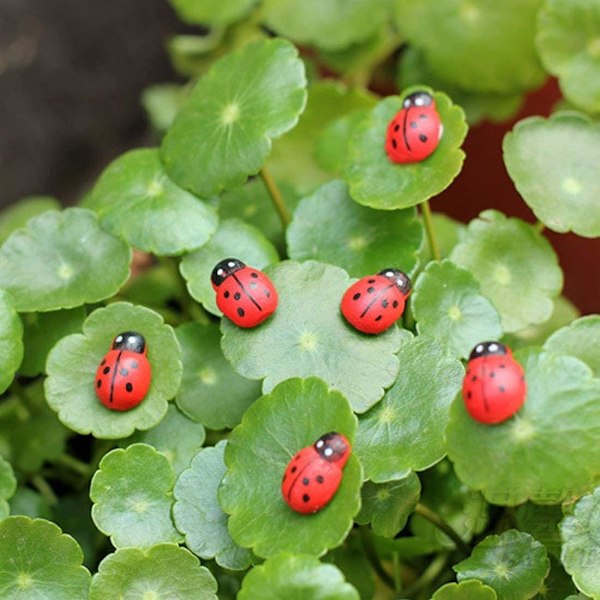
(244, 295)
(415, 131)
(314, 474)
(124, 374)
(374, 303)
(494, 387)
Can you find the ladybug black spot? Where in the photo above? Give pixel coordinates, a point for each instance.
(294, 469)
(492, 374)
(254, 275)
(469, 395)
(106, 370)
(503, 366)
(240, 311)
(396, 127)
(320, 479)
(129, 387)
(395, 303)
(305, 480)
(124, 372)
(103, 362)
(267, 293)
(356, 296)
(384, 303)
(474, 378)
(378, 317)
(371, 281)
(133, 364)
(237, 296)
(501, 388)
(99, 383)
(370, 290)
(226, 294)
(413, 124)
(422, 116)
(423, 137)
(305, 498)
(394, 143)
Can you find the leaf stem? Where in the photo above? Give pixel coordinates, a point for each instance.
(444, 526)
(373, 558)
(44, 489)
(78, 466)
(434, 568)
(397, 573)
(276, 197)
(428, 223)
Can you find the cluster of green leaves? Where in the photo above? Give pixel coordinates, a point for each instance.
(264, 160)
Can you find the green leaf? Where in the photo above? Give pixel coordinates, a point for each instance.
(327, 24)
(211, 392)
(515, 266)
(162, 571)
(73, 362)
(449, 307)
(247, 98)
(542, 523)
(8, 486)
(211, 12)
(307, 336)
(197, 513)
(581, 546)
(466, 590)
(355, 567)
(387, 506)
(61, 260)
(42, 332)
(548, 451)
(330, 227)
(162, 103)
(553, 163)
(513, 564)
(568, 42)
(293, 158)
(405, 431)
(378, 182)
(579, 339)
(30, 504)
(481, 45)
(11, 340)
(294, 415)
(176, 436)
(296, 577)
(136, 201)
(233, 238)
(132, 492)
(16, 216)
(38, 561)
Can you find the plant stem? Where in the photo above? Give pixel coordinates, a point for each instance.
(66, 460)
(434, 568)
(373, 558)
(428, 223)
(444, 526)
(276, 197)
(44, 489)
(397, 574)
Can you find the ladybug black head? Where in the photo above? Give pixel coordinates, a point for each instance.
(224, 269)
(487, 348)
(131, 341)
(399, 278)
(417, 99)
(332, 446)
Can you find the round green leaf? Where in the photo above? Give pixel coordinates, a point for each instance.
(162, 571)
(42, 332)
(296, 577)
(405, 431)
(553, 163)
(61, 260)
(211, 12)
(480, 45)
(513, 564)
(162, 103)
(580, 553)
(330, 227)
(448, 306)
(378, 182)
(176, 436)
(132, 492)
(515, 266)
(37, 560)
(197, 513)
(8, 486)
(355, 567)
(73, 362)
(16, 216)
(307, 336)
(579, 339)
(466, 590)
(387, 506)
(568, 41)
(136, 201)
(548, 451)
(223, 132)
(328, 24)
(11, 340)
(28, 503)
(233, 238)
(294, 415)
(211, 392)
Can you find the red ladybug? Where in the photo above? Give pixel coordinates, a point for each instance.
(494, 387)
(415, 132)
(244, 295)
(123, 377)
(314, 474)
(374, 303)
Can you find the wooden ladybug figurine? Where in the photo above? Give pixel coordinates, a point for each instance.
(124, 374)
(374, 303)
(415, 132)
(245, 295)
(494, 387)
(314, 474)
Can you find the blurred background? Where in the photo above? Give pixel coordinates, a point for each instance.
(71, 77)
